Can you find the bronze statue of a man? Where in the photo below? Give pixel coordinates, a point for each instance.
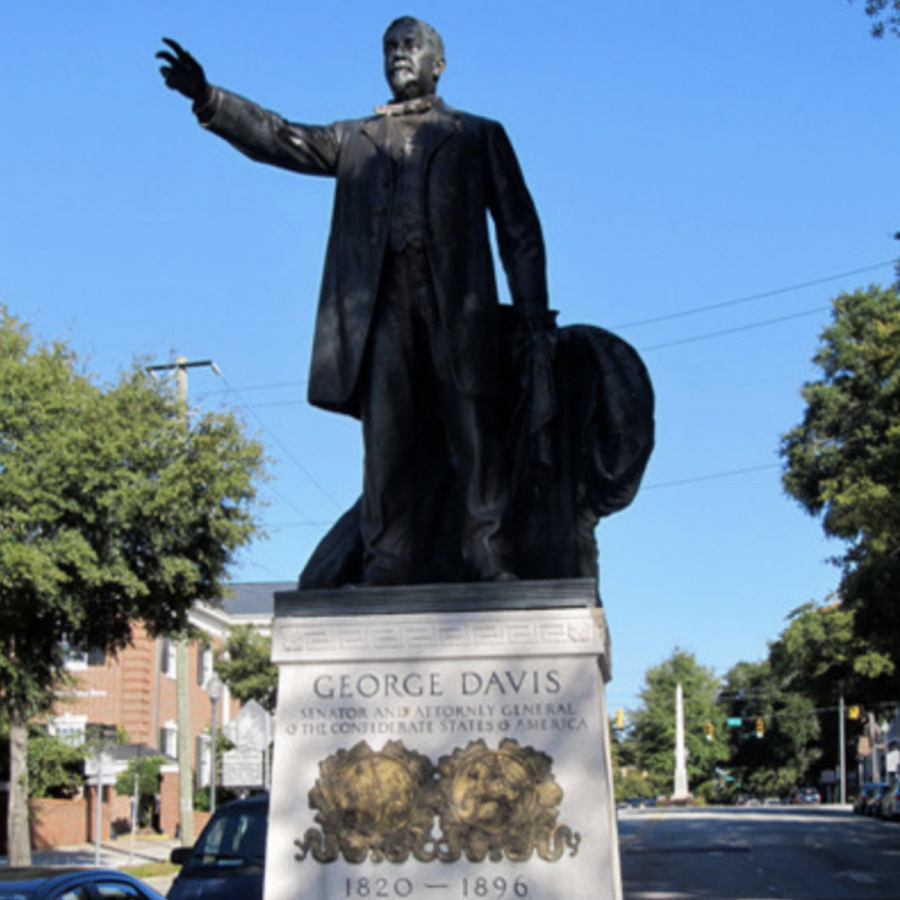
(408, 333)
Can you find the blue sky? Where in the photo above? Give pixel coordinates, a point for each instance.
(682, 156)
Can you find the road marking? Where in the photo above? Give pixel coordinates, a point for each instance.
(654, 820)
(857, 877)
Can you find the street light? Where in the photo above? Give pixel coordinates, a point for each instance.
(214, 689)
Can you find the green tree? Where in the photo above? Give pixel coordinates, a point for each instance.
(843, 463)
(55, 769)
(885, 15)
(629, 779)
(145, 770)
(113, 508)
(780, 758)
(653, 723)
(821, 655)
(816, 659)
(247, 667)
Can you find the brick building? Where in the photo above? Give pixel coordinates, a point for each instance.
(136, 691)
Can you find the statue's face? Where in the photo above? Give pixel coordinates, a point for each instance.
(411, 64)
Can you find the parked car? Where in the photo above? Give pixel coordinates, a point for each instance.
(228, 860)
(890, 802)
(84, 884)
(865, 796)
(873, 807)
(806, 796)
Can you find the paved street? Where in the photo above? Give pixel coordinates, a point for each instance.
(787, 853)
(778, 853)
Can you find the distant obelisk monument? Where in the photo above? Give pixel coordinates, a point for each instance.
(681, 777)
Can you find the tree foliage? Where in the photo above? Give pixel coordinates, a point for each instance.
(630, 779)
(885, 15)
(653, 724)
(247, 667)
(793, 694)
(781, 757)
(145, 770)
(843, 460)
(55, 769)
(821, 655)
(113, 508)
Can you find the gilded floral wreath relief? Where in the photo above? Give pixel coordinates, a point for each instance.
(383, 805)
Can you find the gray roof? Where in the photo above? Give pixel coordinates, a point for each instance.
(126, 752)
(254, 598)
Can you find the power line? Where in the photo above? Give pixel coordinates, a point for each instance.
(287, 450)
(714, 334)
(306, 523)
(678, 342)
(287, 501)
(752, 298)
(274, 403)
(688, 340)
(697, 310)
(277, 385)
(647, 487)
(712, 477)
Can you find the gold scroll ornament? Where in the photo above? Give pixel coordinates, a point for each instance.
(384, 805)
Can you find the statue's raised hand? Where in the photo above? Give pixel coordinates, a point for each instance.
(183, 73)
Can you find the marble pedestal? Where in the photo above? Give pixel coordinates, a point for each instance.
(448, 742)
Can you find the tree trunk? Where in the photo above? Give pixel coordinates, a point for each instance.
(18, 827)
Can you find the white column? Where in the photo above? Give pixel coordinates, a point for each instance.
(681, 791)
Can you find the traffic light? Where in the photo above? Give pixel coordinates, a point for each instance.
(853, 712)
(709, 731)
(620, 718)
(760, 728)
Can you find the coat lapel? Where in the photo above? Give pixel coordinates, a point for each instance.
(439, 126)
(376, 130)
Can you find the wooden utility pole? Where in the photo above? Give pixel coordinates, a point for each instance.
(875, 768)
(182, 682)
(842, 754)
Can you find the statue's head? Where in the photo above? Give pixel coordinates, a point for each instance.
(413, 58)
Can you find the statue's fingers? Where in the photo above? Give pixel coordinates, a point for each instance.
(175, 46)
(166, 57)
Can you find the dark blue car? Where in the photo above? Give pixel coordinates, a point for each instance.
(87, 884)
(228, 860)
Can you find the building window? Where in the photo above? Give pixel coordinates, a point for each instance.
(204, 761)
(69, 729)
(204, 664)
(167, 658)
(96, 657)
(168, 740)
(76, 658)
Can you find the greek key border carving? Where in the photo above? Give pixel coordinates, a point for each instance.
(538, 633)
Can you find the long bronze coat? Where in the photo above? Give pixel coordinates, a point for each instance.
(470, 169)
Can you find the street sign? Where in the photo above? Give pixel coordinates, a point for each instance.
(103, 766)
(734, 723)
(251, 728)
(243, 769)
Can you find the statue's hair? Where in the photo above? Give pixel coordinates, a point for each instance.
(430, 34)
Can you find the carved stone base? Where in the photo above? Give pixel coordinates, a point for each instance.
(447, 741)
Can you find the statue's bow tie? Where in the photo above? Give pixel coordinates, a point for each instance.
(407, 107)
